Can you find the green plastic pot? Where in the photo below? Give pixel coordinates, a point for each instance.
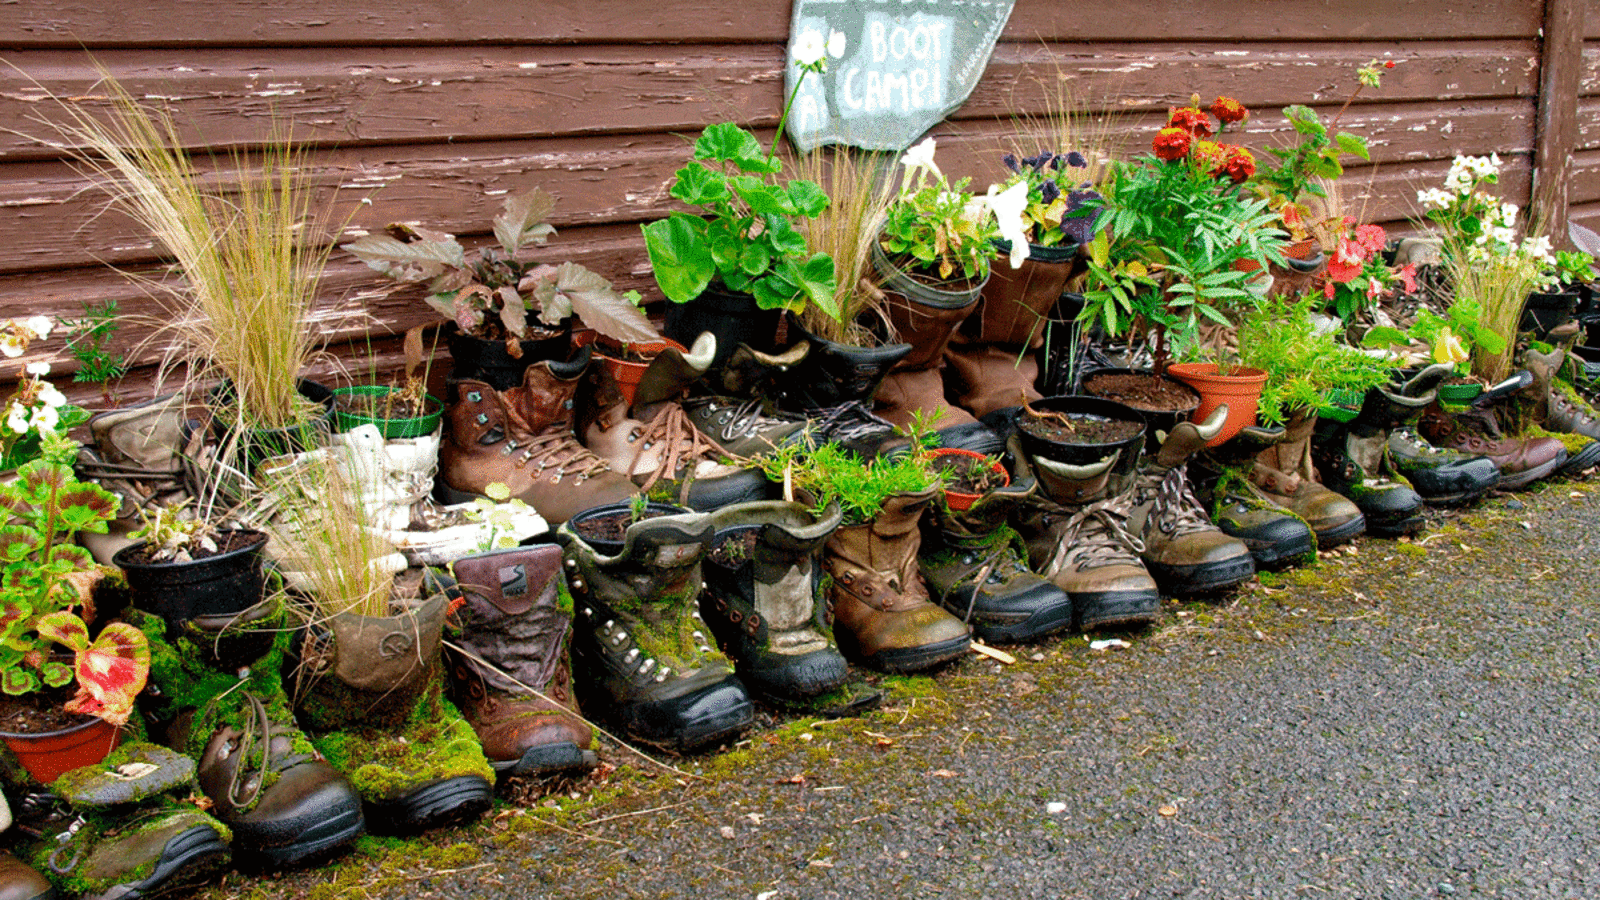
(344, 420)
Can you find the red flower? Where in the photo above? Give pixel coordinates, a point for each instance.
(1171, 143)
(1408, 277)
(1190, 119)
(1370, 238)
(1241, 165)
(1210, 156)
(1228, 110)
(1346, 263)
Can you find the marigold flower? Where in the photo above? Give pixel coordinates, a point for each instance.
(1190, 119)
(1210, 155)
(1241, 165)
(1228, 110)
(1171, 143)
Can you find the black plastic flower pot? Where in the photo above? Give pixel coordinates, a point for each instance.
(225, 584)
(491, 362)
(604, 528)
(1546, 311)
(731, 316)
(257, 444)
(1094, 416)
(832, 373)
(1114, 384)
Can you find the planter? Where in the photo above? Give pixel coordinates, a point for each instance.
(1546, 311)
(628, 372)
(369, 670)
(958, 500)
(731, 316)
(222, 585)
(1460, 394)
(1163, 401)
(489, 361)
(1017, 301)
(413, 427)
(917, 306)
(257, 444)
(832, 373)
(1063, 359)
(604, 528)
(1098, 415)
(48, 755)
(1240, 390)
(1343, 405)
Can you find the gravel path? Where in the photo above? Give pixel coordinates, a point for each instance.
(1408, 721)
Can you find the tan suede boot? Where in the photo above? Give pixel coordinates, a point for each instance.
(992, 362)
(1285, 475)
(916, 384)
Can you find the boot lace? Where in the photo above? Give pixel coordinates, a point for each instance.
(745, 419)
(1096, 535)
(849, 421)
(1176, 510)
(551, 448)
(684, 445)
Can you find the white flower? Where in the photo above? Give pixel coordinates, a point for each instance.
(17, 418)
(40, 326)
(836, 44)
(38, 369)
(50, 397)
(45, 419)
(1008, 206)
(11, 345)
(920, 159)
(809, 49)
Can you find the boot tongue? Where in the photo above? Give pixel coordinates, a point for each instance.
(672, 371)
(1071, 485)
(1187, 439)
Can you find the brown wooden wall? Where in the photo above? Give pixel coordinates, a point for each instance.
(432, 111)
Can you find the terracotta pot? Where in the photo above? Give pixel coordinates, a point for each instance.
(628, 372)
(961, 501)
(1240, 390)
(46, 756)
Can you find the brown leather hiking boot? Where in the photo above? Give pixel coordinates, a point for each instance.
(20, 881)
(1522, 461)
(509, 664)
(1285, 475)
(882, 616)
(992, 362)
(1076, 529)
(1276, 537)
(654, 442)
(916, 383)
(1183, 550)
(523, 438)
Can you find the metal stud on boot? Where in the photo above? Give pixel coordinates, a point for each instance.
(639, 643)
(765, 602)
(509, 663)
(1183, 550)
(976, 567)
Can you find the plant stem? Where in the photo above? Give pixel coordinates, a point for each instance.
(787, 105)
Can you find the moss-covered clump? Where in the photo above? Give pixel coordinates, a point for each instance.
(435, 742)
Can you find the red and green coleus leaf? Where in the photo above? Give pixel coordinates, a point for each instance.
(86, 507)
(66, 629)
(17, 680)
(111, 671)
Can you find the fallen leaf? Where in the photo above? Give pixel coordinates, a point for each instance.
(1110, 644)
(727, 832)
(1169, 810)
(821, 863)
(766, 895)
(944, 773)
(755, 818)
(792, 779)
(883, 743)
(1055, 807)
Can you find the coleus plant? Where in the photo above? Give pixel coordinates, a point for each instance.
(491, 296)
(44, 577)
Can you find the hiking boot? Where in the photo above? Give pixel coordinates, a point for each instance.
(764, 598)
(882, 616)
(742, 427)
(135, 455)
(1285, 475)
(992, 362)
(1183, 551)
(1521, 461)
(831, 384)
(523, 438)
(1565, 413)
(1076, 530)
(20, 881)
(976, 567)
(915, 384)
(653, 441)
(510, 664)
(1221, 476)
(122, 828)
(638, 642)
(1352, 458)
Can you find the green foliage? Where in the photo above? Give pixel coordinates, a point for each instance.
(831, 475)
(749, 242)
(1303, 363)
(1574, 267)
(1450, 338)
(1315, 156)
(90, 343)
(934, 231)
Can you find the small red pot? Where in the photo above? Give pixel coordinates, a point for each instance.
(956, 500)
(47, 756)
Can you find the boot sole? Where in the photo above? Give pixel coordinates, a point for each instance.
(1349, 531)
(548, 759)
(917, 659)
(1526, 477)
(448, 801)
(189, 857)
(1586, 458)
(1204, 578)
(1116, 609)
(1036, 627)
(1460, 498)
(1270, 556)
(314, 845)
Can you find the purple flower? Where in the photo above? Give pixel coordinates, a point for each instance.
(1049, 191)
(1010, 162)
(1076, 160)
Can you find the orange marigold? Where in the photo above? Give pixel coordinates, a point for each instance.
(1229, 111)
(1171, 143)
(1190, 119)
(1241, 165)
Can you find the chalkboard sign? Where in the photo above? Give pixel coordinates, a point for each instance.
(895, 67)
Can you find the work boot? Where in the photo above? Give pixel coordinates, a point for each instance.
(742, 427)
(1076, 530)
(123, 827)
(976, 567)
(831, 384)
(638, 644)
(20, 881)
(135, 455)
(219, 698)
(1183, 551)
(1285, 476)
(1381, 447)
(1475, 430)
(523, 438)
(1276, 537)
(653, 441)
(510, 666)
(882, 616)
(915, 385)
(1561, 411)
(764, 598)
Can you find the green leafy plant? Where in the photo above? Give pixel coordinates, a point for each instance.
(90, 343)
(1062, 207)
(491, 294)
(831, 475)
(174, 534)
(1450, 338)
(500, 512)
(1305, 363)
(1574, 267)
(935, 229)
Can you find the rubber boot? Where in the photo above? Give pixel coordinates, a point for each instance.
(1276, 537)
(976, 567)
(1076, 530)
(882, 615)
(523, 438)
(1285, 475)
(764, 599)
(1183, 550)
(916, 384)
(638, 644)
(122, 828)
(1381, 447)
(509, 663)
(370, 690)
(219, 698)
(653, 442)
